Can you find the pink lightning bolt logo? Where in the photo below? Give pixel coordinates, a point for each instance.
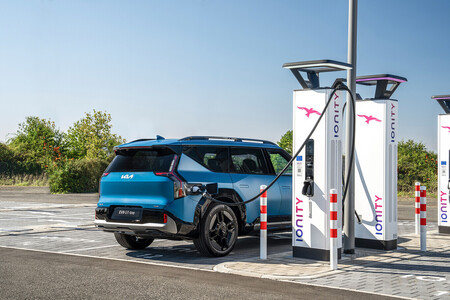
(447, 127)
(369, 118)
(309, 111)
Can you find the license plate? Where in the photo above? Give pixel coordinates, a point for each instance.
(127, 213)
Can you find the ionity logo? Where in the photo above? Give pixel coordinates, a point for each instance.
(309, 111)
(369, 118)
(447, 127)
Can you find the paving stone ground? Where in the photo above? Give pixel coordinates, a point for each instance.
(59, 227)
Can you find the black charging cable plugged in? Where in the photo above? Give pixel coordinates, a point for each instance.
(338, 86)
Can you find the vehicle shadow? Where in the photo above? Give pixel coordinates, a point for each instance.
(184, 252)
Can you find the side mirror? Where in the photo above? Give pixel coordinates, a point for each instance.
(212, 188)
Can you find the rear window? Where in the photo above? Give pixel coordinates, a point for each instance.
(142, 160)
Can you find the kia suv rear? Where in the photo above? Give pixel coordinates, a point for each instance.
(148, 192)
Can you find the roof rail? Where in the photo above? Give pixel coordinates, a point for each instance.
(235, 139)
(141, 140)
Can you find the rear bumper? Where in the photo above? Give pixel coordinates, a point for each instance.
(170, 227)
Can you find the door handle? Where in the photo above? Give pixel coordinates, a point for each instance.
(243, 186)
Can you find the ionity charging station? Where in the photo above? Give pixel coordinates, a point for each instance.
(444, 161)
(318, 167)
(376, 164)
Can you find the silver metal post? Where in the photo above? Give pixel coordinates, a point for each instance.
(349, 206)
(263, 224)
(423, 218)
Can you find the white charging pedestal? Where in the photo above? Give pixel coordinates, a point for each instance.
(443, 164)
(376, 164)
(318, 167)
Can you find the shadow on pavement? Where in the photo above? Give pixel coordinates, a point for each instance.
(246, 248)
(401, 240)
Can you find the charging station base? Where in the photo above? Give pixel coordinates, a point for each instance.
(312, 253)
(444, 229)
(376, 244)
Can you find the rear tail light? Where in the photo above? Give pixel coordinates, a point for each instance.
(165, 218)
(179, 189)
(100, 184)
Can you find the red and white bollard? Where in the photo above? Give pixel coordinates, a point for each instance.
(423, 218)
(263, 224)
(333, 229)
(417, 207)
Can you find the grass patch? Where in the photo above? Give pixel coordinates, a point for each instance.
(24, 180)
(411, 195)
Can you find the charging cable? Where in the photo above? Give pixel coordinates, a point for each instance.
(339, 87)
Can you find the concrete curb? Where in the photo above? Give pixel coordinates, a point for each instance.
(223, 268)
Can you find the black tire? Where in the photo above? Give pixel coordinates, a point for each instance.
(132, 242)
(218, 231)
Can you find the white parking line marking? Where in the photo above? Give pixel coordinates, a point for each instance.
(91, 248)
(44, 218)
(54, 220)
(65, 239)
(41, 213)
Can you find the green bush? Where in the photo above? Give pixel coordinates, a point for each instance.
(416, 163)
(77, 176)
(13, 164)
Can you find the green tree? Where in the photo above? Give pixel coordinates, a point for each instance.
(91, 137)
(286, 142)
(37, 140)
(416, 163)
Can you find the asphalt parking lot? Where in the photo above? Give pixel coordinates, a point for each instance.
(32, 219)
(38, 220)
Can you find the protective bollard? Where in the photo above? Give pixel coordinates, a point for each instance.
(263, 224)
(333, 230)
(417, 206)
(423, 218)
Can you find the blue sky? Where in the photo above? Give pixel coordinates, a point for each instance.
(179, 68)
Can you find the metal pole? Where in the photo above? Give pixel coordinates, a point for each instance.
(417, 207)
(333, 229)
(349, 206)
(263, 224)
(423, 218)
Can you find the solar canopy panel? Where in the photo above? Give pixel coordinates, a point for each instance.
(312, 68)
(386, 84)
(444, 101)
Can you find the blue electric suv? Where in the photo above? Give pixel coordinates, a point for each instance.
(148, 191)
